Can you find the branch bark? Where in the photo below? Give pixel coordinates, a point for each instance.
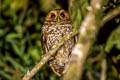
(103, 70)
(87, 34)
(111, 15)
(47, 56)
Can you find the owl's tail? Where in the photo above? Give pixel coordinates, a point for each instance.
(58, 68)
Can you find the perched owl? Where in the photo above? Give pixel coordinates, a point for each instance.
(57, 24)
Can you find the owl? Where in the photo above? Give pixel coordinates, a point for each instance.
(57, 23)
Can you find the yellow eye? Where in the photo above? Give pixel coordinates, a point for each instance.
(53, 15)
(62, 14)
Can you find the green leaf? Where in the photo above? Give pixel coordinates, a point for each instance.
(118, 57)
(34, 53)
(15, 63)
(113, 40)
(12, 36)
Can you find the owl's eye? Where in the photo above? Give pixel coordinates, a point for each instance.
(62, 14)
(53, 15)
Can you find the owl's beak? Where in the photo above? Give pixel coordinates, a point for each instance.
(58, 19)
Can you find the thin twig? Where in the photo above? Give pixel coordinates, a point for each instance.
(90, 76)
(111, 15)
(104, 67)
(47, 56)
(22, 15)
(104, 64)
(70, 5)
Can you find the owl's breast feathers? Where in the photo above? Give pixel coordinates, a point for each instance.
(52, 31)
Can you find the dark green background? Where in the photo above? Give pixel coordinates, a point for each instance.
(20, 38)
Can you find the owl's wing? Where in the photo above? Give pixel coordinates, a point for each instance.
(44, 43)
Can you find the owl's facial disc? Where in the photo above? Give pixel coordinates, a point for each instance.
(61, 16)
(58, 15)
(51, 16)
(64, 15)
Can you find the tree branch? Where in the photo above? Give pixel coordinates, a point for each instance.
(111, 15)
(47, 56)
(87, 34)
(103, 70)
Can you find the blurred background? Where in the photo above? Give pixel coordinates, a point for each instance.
(20, 38)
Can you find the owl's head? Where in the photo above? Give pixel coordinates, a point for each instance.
(57, 15)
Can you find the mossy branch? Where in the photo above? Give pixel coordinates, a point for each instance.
(111, 15)
(87, 35)
(47, 56)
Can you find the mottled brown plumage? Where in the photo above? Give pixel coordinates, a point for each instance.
(57, 24)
